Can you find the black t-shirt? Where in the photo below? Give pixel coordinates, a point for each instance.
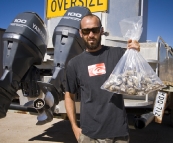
(102, 113)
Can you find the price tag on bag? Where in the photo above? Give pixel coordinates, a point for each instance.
(159, 106)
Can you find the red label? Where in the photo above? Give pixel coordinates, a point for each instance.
(97, 69)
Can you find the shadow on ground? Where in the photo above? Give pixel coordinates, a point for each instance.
(59, 132)
(153, 133)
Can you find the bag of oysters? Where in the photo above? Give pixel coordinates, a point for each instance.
(132, 74)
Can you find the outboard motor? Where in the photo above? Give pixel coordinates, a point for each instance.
(67, 44)
(25, 44)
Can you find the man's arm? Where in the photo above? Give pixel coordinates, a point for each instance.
(71, 112)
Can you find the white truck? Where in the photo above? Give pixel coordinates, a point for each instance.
(111, 12)
(39, 79)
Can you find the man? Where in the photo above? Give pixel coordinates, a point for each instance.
(102, 116)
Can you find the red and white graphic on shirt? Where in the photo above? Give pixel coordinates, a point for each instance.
(97, 69)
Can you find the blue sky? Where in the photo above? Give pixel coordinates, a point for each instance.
(160, 16)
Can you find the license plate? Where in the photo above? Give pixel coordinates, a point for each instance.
(159, 106)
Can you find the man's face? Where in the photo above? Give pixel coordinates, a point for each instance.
(90, 32)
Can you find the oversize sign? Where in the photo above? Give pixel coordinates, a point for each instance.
(57, 8)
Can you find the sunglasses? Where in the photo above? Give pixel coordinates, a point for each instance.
(94, 30)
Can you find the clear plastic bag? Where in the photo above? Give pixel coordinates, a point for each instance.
(132, 75)
(131, 28)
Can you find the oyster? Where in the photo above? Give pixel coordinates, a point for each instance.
(132, 82)
(114, 88)
(118, 80)
(123, 88)
(141, 93)
(147, 80)
(131, 91)
(108, 84)
(124, 79)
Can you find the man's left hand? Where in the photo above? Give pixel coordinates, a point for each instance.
(133, 44)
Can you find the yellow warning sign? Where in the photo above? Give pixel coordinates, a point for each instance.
(57, 8)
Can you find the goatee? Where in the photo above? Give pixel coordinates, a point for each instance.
(94, 45)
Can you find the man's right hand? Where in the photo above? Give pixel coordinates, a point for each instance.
(71, 112)
(77, 132)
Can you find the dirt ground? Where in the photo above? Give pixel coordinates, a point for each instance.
(19, 127)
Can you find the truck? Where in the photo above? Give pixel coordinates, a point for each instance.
(36, 52)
